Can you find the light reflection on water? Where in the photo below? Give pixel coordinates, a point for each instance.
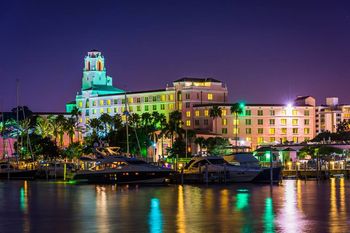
(295, 206)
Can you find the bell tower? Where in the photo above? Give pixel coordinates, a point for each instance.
(94, 72)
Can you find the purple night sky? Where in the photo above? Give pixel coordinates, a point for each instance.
(266, 51)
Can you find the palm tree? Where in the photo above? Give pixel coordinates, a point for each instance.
(43, 127)
(200, 141)
(146, 119)
(76, 113)
(236, 109)
(173, 127)
(70, 128)
(215, 112)
(96, 125)
(60, 122)
(134, 120)
(106, 120)
(117, 122)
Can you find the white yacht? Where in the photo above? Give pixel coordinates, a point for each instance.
(121, 169)
(215, 164)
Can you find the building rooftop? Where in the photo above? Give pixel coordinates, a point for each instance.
(191, 79)
(248, 105)
(135, 92)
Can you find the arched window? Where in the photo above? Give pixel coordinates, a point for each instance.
(99, 65)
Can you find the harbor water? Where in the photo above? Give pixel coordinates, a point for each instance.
(293, 206)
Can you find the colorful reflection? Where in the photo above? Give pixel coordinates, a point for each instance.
(101, 209)
(269, 217)
(24, 206)
(180, 217)
(242, 200)
(155, 220)
(337, 215)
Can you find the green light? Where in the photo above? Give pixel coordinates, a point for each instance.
(269, 217)
(267, 156)
(242, 105)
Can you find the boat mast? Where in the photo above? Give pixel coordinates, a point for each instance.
(17, 118)
(126, 125)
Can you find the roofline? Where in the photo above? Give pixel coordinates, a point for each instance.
(249, 105)
(135, 92)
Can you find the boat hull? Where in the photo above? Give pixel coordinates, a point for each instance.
(18, 174)
(264, 175)
(123, 177)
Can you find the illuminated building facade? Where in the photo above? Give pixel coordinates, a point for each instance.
(98, 95)
(260, 124)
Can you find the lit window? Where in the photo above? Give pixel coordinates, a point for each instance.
(188, 123)
(236, 122)
(171, 97)
(283, 121)
(295, 139)
(248, 131)
(235, 130)
(272, 139)
(295, 112)
(180, 106)
(94, 103)
(206, 112)
(284, 139)
(162, 98)
(272, 131)
(260, 140)
(306, 131)
(295, 122)
(93, 111)
(101, 110)
(80, 105)
(188, 114)
(260, 130)
(223, 112)
(283, 112)
(131, 100)
(224, 121)
(284, 131)
(108, 110)
(295, 130)
(80, 120)
(210, 96)
(248, 139)
(108, 102)
(306, 122)
(123, 118)
(101, 102)
(171, 106)
(196, 113)
(131, 108)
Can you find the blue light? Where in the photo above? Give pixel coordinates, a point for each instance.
(155, 220)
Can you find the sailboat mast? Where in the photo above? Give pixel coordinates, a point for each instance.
(127, 125)
(17, 115)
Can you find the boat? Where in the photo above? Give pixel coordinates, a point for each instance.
(248, 160)
(55, 170)
(7, 171)
(121, 169)
(215, 166)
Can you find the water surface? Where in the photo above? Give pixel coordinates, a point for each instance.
(294, 206)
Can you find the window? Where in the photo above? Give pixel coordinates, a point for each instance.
(206, 112)
(188, 105)
(196, 113)
(138, 108)
(188, 123)
(295, 122)
(115, 110)
(248, 139)
(108, 102)
(154, 107)
(94, 103)
(188, 114)
(248, 112)
(248, 131)
(272, 131)
(295, 130)
(196, 122)
(295, 139)
(283, 112)
(260, 130)
(131, 109)
(223, 112)
(101, 102)
(109, 110)
(260, 140)
(146, 108)
(283, 130)
(260, 121)
(306, 121)
(80, 104)
(210, 96)
(306, 131)
(248, 121)
(115, 101)
(272, 112)
(171, 97)
(162, 98)
(146, 99)
(260, 112)
(162, 107)
(93, 111)
(224, 130)
(295, 112)
(306, 113)
(138, 100)
(154, 98)
(171, 106)
(236, 122)
(188, 96)
(272, 139)
(206, 122)
(272, 121)
(284, 139)
(224, 121)
(235, 130)
(101, 110)
(283, 121)
(123, 101)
